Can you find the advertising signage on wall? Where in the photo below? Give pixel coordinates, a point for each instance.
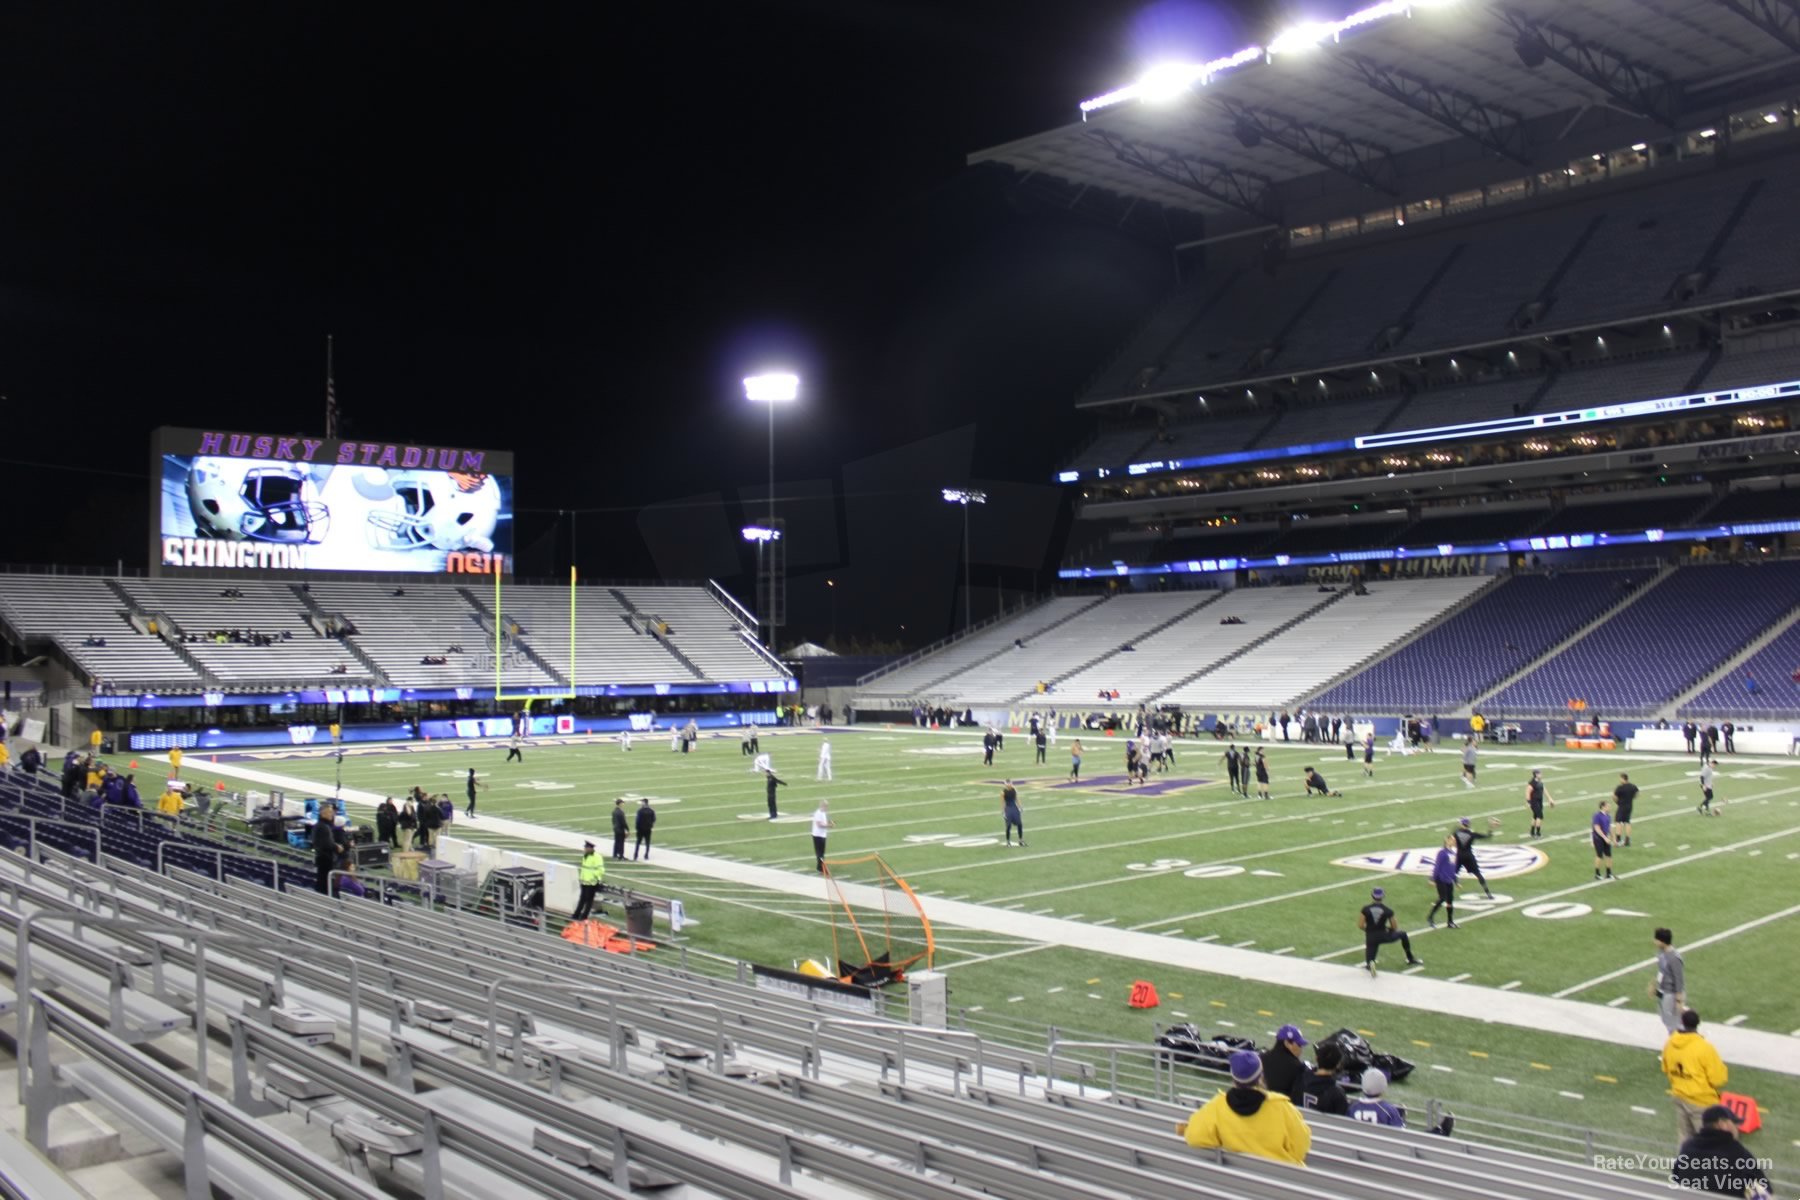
(274, 503)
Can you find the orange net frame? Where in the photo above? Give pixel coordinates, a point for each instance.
(879, 929)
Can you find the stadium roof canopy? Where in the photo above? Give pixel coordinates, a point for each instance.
(1404, 99)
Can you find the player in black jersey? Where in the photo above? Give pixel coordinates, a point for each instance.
(1380, 927)
(1261, 766)
(1535, 796)
(1315, 782)
(1233, 768)
(1626, 796)
(1465, 853)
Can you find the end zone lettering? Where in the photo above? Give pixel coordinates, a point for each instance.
(211, 552)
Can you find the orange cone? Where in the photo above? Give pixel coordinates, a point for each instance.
(134, 764)
(218, 785)
(1143, 994)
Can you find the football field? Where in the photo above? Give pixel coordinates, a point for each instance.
(1184, 858)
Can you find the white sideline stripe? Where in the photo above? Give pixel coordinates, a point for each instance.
(1538, 1014)
(1691, 946)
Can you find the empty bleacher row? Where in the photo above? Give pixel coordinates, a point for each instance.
(157, 634)
(355, 1049)
(1595, 259)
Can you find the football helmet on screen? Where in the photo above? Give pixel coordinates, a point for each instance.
(246, 500)
(445, 510)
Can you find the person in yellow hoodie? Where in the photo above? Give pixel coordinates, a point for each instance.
(1695, 1071)
(169, 803)
(1249, 1120)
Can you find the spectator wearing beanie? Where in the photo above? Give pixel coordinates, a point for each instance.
(1248, 1120)
(1714, 1162)
(1372, 1108)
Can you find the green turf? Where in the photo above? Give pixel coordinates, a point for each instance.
(1108, 854)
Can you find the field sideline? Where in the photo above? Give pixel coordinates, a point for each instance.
(1184, 858)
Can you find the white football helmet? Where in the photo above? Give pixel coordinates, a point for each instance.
(445, 510)
(246, 500)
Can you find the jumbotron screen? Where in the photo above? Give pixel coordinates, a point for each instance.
(289, 503)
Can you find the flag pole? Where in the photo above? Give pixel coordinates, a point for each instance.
(330, 392)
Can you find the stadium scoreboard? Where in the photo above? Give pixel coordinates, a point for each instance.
(229, 500)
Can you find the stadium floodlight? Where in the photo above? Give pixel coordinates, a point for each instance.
(772, 388)
(759, 533)
(966, 497)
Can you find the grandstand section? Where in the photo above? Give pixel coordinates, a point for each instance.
(88, 619)
(1501, 631)
(1670, 636)
(245, 634)
(920, 674)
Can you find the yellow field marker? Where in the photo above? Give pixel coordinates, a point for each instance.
(1366, 1032)
(1478, 1054)
(1093, 981)
(1417, 1042)
(1175, 996)
(1217, 1003)
(1540, 1066)
(1320, 1024)
(1263, 1012)
(1606, 1079)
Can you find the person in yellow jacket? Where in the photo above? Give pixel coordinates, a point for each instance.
(169, 803)
(1248, 1120)
(175, 763)
(593, 873)
(5, 756)
(1695, 1071)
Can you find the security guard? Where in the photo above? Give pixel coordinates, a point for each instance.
(593, 871)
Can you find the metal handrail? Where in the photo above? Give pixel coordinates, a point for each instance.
(900, 1032)
(1161, 1057)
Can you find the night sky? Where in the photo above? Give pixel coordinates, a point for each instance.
(567, 230)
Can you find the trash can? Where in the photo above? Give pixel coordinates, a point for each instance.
(406, 864)
(640, 918)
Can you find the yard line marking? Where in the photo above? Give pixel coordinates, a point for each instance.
(1755, 853)
(1412, 970)
(1572, 1095)
(1443, 1068)
(1014, 999)
(977, 1008)
(1095, 996)
(1182, 1015)
(1244, 943)
(1685, 846)
(1039, 912)
(981, 958)
(1507, 987)
(1508, 1082)
(1268, 874)
(1225, 1023)
(1283, 950)
(1623, 912)
(1737, 1020)
(1691, 946)
(1211, 937)
(1074, 916)
(1012, 906)
(1648, 1112)
(1106, 920)
(1053, 991)
(1459, 978)
(1619, 1001)
(1171, 933)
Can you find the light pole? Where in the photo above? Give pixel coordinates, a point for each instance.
(966, 497)
(771, 388)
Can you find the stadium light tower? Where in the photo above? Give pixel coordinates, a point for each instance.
(966, 497)
(771, 388)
